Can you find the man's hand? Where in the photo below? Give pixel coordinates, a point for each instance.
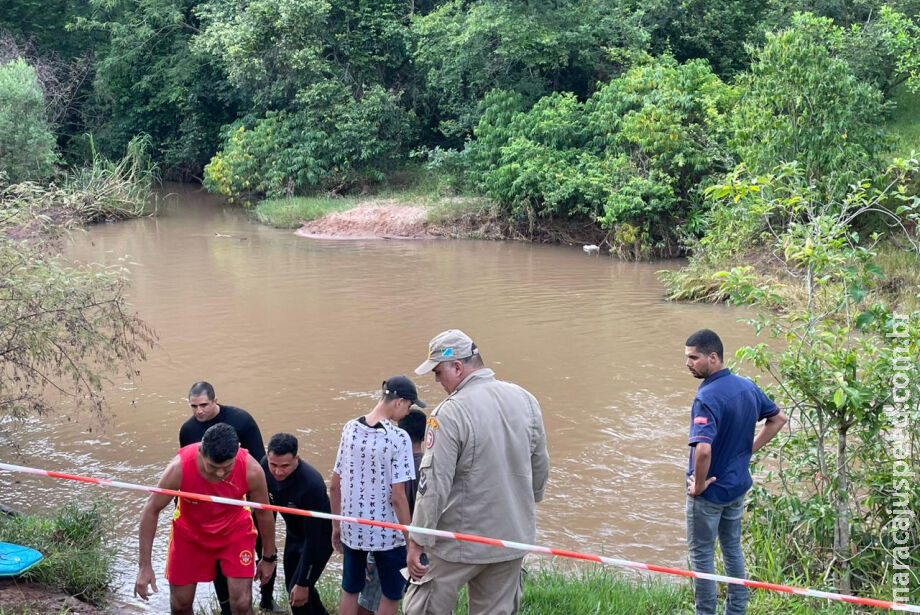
(414, 560)
(337, 539)
(264, 571)
(145, 578)
(694, 490)
(300, 595)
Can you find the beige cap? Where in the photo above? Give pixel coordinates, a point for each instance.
(449, 345)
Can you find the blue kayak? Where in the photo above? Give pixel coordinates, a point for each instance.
(16, 559)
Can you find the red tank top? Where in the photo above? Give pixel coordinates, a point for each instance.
(208, 523)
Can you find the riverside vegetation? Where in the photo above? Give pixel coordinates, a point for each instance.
(78, 555)
(612, 113)
(771, 143)
(605, 591)
(63, 328)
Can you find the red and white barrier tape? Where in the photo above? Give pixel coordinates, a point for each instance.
(800, 591)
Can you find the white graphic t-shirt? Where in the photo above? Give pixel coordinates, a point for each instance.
(370, 461)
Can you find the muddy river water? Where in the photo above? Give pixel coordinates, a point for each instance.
(301, 332)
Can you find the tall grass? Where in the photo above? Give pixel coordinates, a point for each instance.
(901, 285)
(102, 191)
(694, 282)
(599, 590)
(291, 212)
(75, 543)
(905, 122)
(114, 190)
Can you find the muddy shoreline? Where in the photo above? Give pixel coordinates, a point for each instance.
(18, 596)
(392, 219)
(371, 221)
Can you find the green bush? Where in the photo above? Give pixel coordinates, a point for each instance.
(465, 49)
(26, 141)
(106, 190)
(331, 142)
(802, 102)
(633, 155)
(841, 362)
(78, 554)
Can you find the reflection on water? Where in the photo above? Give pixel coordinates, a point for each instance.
(301, 332)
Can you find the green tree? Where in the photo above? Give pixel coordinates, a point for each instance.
(719, 31)
(632, 155)
(466, 49)
(26, 141)
(268, 49)
(833, 363)
(844, 13)
(802, 102)
(328, 141)
(63, 329)
(44, 24)
(322, 82)
(271, 49)
(898, 60)
(149, 80)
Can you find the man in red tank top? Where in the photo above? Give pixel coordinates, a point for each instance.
(204, 533)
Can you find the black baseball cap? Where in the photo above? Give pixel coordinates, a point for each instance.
(400, 386)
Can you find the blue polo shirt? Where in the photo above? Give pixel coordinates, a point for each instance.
(725, 411)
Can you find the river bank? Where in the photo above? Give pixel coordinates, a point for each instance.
(30, 598)
(411, 214)
(596, 590)
(519, 298)
(592, 591)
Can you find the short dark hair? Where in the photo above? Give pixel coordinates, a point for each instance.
(220, 443)
(707, 342)
(414, 424)
(282, 444)
(201, 388)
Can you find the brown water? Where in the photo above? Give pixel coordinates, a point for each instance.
(301, 332)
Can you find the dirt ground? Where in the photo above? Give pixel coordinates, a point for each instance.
(24, 598)
(381, 220)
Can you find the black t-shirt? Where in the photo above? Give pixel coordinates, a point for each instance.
(310, 537)
(242, 422)
(412, 484)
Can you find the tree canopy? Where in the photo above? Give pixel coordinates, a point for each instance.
(615, 111)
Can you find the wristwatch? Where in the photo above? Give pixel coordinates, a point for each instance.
(271, 559)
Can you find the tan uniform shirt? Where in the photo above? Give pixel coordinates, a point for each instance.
(485, 466)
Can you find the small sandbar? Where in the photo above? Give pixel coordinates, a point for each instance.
(380, 220)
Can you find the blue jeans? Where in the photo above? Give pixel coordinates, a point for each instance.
(707, 521)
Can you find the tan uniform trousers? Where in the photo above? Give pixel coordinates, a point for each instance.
(494, 589)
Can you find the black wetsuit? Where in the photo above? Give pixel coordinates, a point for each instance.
(250, 437)
(309, 540)
(241, 421)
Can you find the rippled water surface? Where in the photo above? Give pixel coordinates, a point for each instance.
(301, 332)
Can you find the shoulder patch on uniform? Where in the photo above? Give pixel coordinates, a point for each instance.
(423, 483)
(432, 422)
(429, 438)
(700, 420)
